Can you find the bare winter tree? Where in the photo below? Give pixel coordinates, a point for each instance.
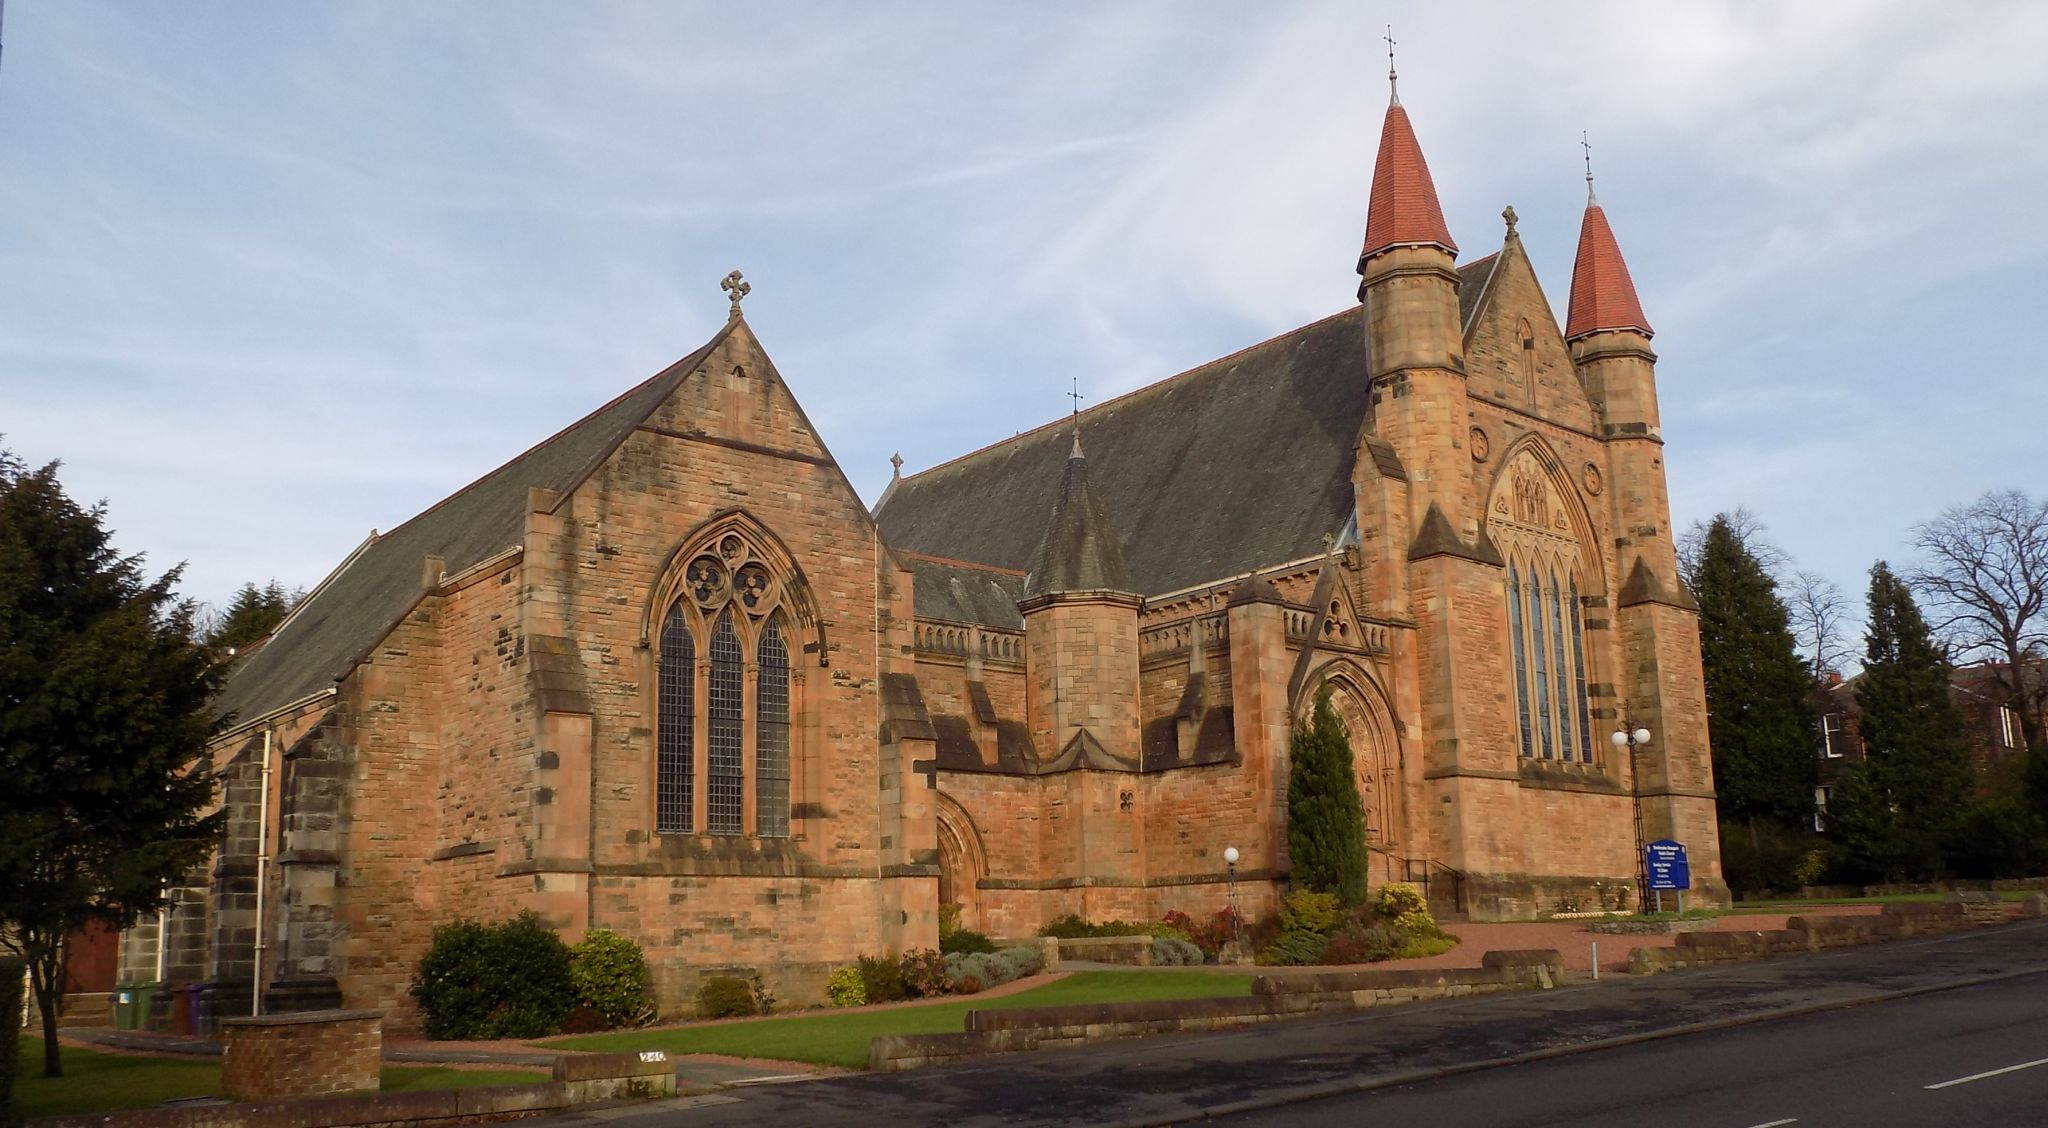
(1820, 615)
(1984, 578)
(1749, 529)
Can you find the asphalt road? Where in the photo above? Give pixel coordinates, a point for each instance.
(1931, 1059)
(1310, 1068)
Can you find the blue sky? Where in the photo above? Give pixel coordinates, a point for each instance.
(273, 275)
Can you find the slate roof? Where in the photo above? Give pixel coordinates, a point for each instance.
(353, 609)
(966, 593)
(1236, 465)
(1080, 549)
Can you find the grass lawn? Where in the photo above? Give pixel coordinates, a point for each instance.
(97, 1082)
(841, 1038)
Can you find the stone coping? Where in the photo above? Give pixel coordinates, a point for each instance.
(301, 1018)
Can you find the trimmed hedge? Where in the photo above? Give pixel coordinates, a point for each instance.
(725, 996)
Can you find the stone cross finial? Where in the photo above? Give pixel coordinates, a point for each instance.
(1508, 213)
(896, 466)
(737, 289)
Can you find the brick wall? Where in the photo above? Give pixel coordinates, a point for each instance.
(301, 1055)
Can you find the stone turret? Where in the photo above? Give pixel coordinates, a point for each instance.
(1658, 620)
(1081, 631)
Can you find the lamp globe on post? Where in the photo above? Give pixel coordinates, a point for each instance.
(1230, 856)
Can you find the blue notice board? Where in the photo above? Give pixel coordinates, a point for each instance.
(1666, 862)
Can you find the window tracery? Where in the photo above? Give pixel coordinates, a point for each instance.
(1530, 520)
(724, 688)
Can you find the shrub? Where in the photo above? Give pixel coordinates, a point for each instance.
(1021, 961)
(725, 996)
(1170, 952)
(1209, 936)
(924, 973)
(1298, 947)
(1397, 897)
(882, 978)
(965, 941)
(967, 985)
(1365, 942)
(1072, 927)
(506, 980)
(846, 988)
(1303, 911)
(611, 977)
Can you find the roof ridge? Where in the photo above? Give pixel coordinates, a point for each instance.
(957, 563)
(691, 359)
(1105, 405)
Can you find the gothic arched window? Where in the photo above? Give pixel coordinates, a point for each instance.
(675, 754)
(1529, 519)
(722, 763)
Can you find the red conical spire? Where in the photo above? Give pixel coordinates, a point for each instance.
(1603, 296)
(1404, 210)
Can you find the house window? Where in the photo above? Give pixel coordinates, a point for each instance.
(2008, 727)
(717, 737)
(1821, 795)
(1831, 735)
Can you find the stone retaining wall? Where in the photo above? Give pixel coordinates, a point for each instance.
(1813, 934)
(1132, 951)
(578, 1078)
(1273, 998)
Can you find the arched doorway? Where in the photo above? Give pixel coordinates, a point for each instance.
(962, 864)
(1375, 763)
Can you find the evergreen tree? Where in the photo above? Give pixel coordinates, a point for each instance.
(1325, 816)
(1766, 764)
(254, 613)
(103, 728)
(1916, 758)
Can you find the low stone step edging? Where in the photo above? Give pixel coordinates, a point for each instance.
(579, 1078)
(1273, 998)
(1819, 933)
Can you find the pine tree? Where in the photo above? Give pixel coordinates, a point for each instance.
(104, 720)
(1915, 753)
(1325, 816)
(254, 613)
(1766, 764)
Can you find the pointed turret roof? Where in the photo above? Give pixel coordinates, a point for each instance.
(1080, 550)
(1404, 209)
(1603, 296)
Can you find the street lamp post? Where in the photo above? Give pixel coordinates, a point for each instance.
(1230, 856)
(1633, 738)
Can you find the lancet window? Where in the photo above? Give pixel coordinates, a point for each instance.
(722, 730)
(1530, 522)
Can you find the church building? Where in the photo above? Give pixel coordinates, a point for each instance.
(664, 673)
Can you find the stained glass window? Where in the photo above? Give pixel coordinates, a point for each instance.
(726, 766)
(675, 754)
(1579, 657)
(1521, 666)
(771, 739)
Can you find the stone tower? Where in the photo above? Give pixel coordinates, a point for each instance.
(1657, 618)
(1081, 689)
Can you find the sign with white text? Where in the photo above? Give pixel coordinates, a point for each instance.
(1666, 864)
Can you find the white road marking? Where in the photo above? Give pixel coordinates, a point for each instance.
(1989, 1073)
(1776, 1123)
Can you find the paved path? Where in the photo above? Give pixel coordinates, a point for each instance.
(1184, 1077)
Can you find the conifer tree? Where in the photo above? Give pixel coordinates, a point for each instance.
(1762, 730)
(1916, 757)
(104, 719)
(254, 613)
(1325, 816)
